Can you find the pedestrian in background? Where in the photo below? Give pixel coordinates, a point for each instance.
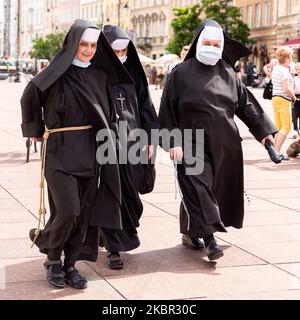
(282, 97)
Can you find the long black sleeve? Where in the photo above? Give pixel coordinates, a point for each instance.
(168, 111)
(32, 115)
(251, 113)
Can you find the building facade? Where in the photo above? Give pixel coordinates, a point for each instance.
(92, 10)
(261, 18)
(118, 12)
(272, 23)
(150, 25)
(69, 10)
(1, 28)
(51, 16)
(288, 29)
(32, 24)
(148, 22)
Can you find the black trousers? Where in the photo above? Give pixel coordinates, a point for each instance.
(296, 114)
(70, 201)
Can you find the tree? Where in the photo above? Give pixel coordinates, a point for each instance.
(229, 18)
(187, 19)
(47, 48)
(184, 24)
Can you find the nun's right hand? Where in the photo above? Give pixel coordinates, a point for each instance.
(176, 154)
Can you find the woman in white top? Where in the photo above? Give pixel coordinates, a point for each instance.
(283, 95)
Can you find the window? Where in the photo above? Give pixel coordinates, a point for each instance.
(289, 7)
(267, 13)
(257, 15)
(162, 27)
(249, 16)
(242, 13)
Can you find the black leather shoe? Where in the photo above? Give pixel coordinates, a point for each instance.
(73, 278)
(101, 242)
(55, 275)
(272, 152)
(192, 243)
(114, 260)
(213, 251)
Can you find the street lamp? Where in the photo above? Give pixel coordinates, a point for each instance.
(119, 10)
(17, 78)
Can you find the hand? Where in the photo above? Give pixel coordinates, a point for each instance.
(36, 139)
(150, 151)
(176, 154)
(269, 137)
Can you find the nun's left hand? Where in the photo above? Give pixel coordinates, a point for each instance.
(269, 137)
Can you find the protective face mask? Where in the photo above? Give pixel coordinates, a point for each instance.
(123, 59)
(208, 55)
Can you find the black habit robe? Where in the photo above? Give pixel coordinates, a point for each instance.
(64, 95)
(137, 109)
(199, 96)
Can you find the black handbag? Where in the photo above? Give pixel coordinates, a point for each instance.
(267, 94)
(147, 180)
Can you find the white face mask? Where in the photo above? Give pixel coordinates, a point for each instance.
(123, 59)
(208, 55)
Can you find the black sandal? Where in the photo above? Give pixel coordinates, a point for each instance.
(74, 279)
(114, 260)
(55, 276)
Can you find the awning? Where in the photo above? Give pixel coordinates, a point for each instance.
(294, 44)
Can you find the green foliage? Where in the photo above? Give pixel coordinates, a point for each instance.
(47, 48)
(184, 24)
(187, 19)
(228, 17)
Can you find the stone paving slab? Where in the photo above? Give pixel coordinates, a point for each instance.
(262, 234)
(274, 193)
(17, 248)
(267, 295)
(41, 290)
(15, 215)
(267, 218)
(293, 268)
(275, 252)
(15, 230)
(208, 283)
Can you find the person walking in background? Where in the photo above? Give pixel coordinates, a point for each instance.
(282, 97)
(250, 73)
(153, 75)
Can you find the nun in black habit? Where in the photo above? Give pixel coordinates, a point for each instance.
(204, 92)
(72, 93)
(134, 105)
